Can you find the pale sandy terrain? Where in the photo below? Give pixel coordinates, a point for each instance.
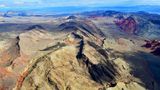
(46, 53)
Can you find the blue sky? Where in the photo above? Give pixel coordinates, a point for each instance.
(55, 3)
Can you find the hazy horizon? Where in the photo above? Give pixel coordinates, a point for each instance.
(75, 6)
(83, 3)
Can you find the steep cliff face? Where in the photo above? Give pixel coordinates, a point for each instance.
(10, 54)
(7, 57)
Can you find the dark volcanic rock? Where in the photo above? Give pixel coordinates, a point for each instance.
(154, 46)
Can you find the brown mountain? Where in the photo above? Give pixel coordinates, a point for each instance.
(78, 56)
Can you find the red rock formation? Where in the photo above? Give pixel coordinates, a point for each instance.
(7, 79)
(127, 25)
(21, 79)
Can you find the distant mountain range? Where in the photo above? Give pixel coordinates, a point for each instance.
(76, 9)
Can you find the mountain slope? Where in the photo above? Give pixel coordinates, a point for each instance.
(77, 57)
(82, 60)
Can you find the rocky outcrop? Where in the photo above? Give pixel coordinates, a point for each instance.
(127, 25)
(84, 25)
(153, 46)
(10, 54)
(7, 57)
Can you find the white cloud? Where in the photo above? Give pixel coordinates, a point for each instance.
(19, 2)
(2, 5)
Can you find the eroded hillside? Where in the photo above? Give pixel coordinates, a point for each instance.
(78, 55)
